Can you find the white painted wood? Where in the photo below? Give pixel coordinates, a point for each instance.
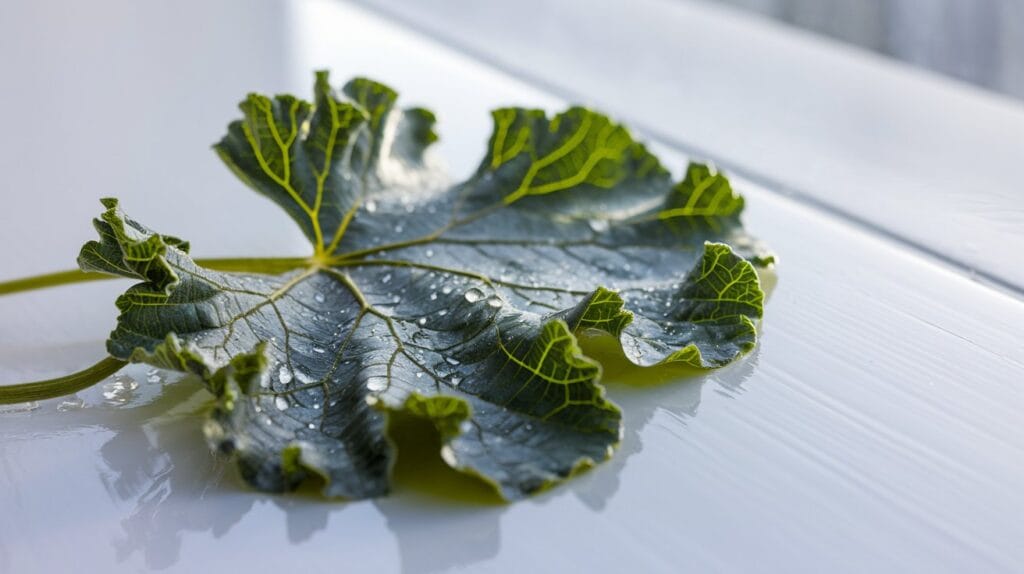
(875, 429)
(912, 154)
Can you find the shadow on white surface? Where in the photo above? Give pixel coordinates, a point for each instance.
(166, 483)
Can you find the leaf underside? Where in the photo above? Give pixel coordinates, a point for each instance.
(456, 303)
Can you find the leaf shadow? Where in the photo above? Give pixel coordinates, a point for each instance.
(157, 462)
(643, 392)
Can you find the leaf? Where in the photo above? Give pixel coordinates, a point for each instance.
(459, 304)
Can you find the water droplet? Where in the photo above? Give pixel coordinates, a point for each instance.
(385, 278)
(455, 381)
(447, 289)
(72, 404)
(304, 377)
(396, 299)
(626, 266)
(281, 403)
(284, 375)
(529, 427)
(473, 295)
(120, 390)
(371, 206)
(316, 406)
(433, 296)
(452, 360)
(318, 297)
(598, 225)
(495, 301)
(376, 384)
(318, 349)
(419, 374)
(311, 426)
(422, 321)
(399, 228)
(429, 253)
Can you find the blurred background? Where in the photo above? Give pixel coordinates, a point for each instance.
(978, 41)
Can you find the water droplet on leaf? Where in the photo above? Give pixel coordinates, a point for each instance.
(284, 375)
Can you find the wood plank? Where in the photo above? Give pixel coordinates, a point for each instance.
(906, 153)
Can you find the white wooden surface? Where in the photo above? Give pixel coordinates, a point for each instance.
(875, 429)
(908, 153)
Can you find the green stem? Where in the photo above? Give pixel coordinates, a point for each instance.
(50, 280)
(270, 265)
(66, 385)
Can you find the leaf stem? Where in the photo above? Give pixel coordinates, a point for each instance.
(50, 280)
(267, 265)
(270, 265)
(60, 386)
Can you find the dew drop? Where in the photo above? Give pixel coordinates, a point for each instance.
(473, 295)
(452, 360)
(429, 253)
(284, 375)
(399, 228)
(495, 301)
(455, 381)
(386, 278)
(317, 349)
(72, 404)
(371, 206)
(422, 321)
(442, 312)
(120, 390)
(598, 225)
(318, 297)
(447, 289)
(419, 375)
(311, 426)
(433, 296)
(376, 385)
(316, 406)
(281, 403)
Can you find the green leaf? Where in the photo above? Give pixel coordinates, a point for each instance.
(459, 304)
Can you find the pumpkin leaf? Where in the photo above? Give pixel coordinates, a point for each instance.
(460, 304)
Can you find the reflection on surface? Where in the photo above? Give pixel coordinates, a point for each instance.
(154, 460)
(157, 461)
